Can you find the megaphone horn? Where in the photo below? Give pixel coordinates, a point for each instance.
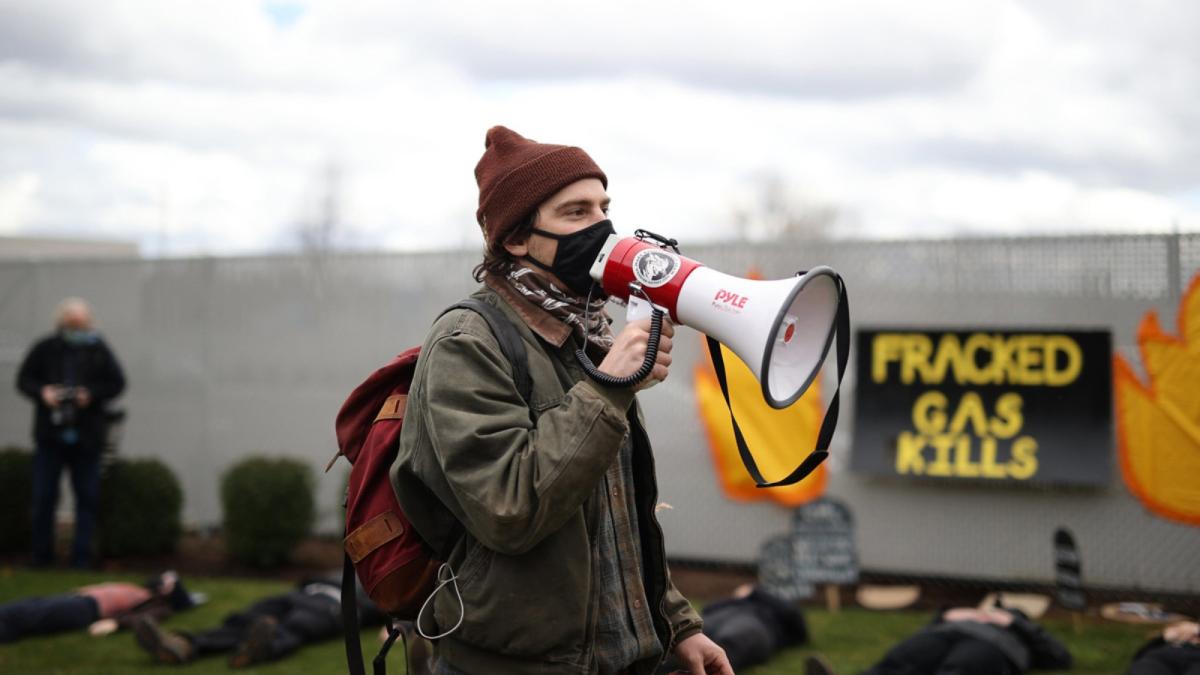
(781, 329)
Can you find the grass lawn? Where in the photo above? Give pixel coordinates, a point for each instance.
(851, 639)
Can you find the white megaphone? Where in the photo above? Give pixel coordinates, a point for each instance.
(781, 329)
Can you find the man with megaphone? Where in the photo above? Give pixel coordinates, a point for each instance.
(544, 506)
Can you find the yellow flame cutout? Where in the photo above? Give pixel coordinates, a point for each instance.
(1158, 422)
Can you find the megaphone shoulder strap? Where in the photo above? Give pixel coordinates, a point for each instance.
(828, 424)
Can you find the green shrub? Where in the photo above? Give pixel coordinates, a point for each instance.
(268, 508)
(16, 492)
(140, 508)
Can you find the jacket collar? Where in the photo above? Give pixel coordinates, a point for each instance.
(541, 322)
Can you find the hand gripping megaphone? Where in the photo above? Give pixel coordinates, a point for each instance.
(781, 329)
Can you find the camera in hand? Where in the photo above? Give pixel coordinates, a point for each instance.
(66, 414)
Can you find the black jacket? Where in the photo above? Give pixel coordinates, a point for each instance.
(781, 620)
(92, 365)
(1026, 644)
(752, 629)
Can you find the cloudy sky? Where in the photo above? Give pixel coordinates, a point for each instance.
(220, 127)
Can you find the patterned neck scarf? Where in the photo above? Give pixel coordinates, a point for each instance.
(564, 305)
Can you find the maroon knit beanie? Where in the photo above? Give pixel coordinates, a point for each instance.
(515, 175)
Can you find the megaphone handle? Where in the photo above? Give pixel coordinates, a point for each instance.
(656, 319)
(637, 309)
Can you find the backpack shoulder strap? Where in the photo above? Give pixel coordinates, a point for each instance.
(510, 341)
(350, 625)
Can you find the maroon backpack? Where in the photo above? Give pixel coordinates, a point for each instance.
(396, 567)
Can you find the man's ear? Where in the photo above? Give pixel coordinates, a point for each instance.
(517, 249)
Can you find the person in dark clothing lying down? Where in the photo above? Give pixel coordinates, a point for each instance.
(751, 626)
(1175, 652)
(269, 629)
(992, 641)
(102, 608)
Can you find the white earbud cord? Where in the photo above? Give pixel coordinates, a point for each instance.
(443, 579)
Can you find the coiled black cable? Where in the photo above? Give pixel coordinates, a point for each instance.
(656, 319)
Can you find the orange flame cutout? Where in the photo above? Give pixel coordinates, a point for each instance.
(779, 439)
(1158, 423)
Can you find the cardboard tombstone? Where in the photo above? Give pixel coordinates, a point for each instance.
(819, 550)
(1068, 572)
(776, 571)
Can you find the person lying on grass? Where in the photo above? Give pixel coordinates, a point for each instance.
(991, 641)
(101, 608)
(1175, 652)
(752, 625)
(270, 629)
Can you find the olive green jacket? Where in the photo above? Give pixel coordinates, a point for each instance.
(503, 489)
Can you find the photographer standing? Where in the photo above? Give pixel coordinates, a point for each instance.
(69, 376)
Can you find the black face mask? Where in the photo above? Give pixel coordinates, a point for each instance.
(576, 252)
